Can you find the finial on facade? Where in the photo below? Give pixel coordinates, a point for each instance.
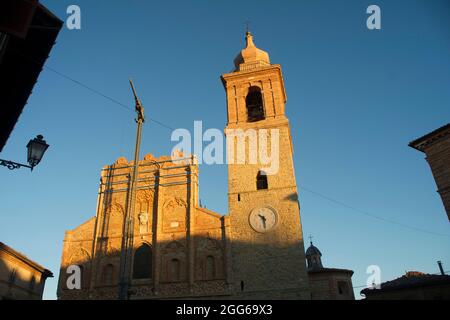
(310, 239)
(249, 40)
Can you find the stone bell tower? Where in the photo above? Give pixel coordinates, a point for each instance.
(268, 257)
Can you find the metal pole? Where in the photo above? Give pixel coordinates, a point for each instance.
(127, 248)
(441, 268)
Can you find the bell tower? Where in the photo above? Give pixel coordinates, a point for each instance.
(267, 250)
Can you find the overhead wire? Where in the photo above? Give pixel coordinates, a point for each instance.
(115, 101)
(372, 215)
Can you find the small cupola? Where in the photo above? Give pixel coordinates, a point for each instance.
(313, 257)
(251, 57)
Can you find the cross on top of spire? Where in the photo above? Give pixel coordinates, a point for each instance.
(247, 26)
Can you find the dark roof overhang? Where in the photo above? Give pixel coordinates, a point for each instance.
(22, 59)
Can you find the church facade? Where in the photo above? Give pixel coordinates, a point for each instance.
(181, 250)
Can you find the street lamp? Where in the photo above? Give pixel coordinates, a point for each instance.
(36, 149)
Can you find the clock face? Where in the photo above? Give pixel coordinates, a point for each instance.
(263, 219)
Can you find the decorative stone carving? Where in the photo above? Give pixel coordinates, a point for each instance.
(175, 210)
(149, 157)
(80, 256)
(209, 245)
(113, 247)
(145, 195)
(122, 161)
(174, 247)
(172, 203)
(114, 207)
(114, 219)
(143, 222)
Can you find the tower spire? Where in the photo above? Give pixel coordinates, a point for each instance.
(251, 57)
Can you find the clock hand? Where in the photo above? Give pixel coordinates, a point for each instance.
(263, 219)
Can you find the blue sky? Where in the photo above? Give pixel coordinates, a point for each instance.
(355, 99)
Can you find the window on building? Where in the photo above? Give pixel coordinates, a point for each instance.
(343, 288)
(261, 181)
(142, 264)
(108, 275)
(174, 270)
(210, 268)
(12, 276)
(32, 283)
(254, 103)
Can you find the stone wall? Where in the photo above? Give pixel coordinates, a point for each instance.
(325, 285)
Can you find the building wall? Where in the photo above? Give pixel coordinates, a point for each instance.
(326, 285)
(18, 279)
(18, 75)
(438, 157)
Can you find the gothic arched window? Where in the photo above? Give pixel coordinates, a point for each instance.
(210, 268)
(174, 270)
(261, 181)
(142, 264)
(254, 103)
(108, 274)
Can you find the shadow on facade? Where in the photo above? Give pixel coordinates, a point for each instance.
(170, 270)
(292, 197)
